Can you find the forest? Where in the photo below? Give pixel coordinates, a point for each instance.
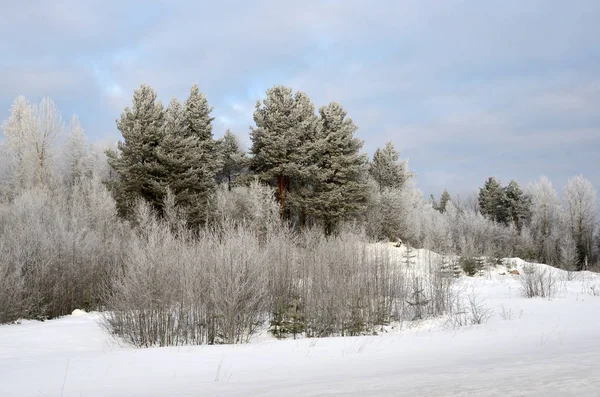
(183, 238)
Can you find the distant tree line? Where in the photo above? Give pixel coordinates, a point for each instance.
(211, 240)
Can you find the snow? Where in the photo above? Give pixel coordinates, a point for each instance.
(530, 347)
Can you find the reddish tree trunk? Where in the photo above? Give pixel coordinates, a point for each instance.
(282, 186)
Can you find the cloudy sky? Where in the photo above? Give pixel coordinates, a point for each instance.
(464, 89)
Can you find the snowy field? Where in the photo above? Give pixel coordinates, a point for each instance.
(529, 347)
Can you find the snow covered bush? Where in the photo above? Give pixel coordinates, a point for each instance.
(479, 311)
(179, 289)
(12, 304)
(468, 309)
(538, 282)
(59, 248)
(254, 205)
(469, 265)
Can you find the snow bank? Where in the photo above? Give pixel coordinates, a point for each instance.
(530, 347)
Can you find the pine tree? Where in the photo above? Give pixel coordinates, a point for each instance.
(444, 198)
(140, 174)
(519, 205)
(233, 159)
(409, 256)
(419, 300)
(340, 188)
(288, 319)
(285, 128)
(445, 269)
(434, 203)
(480, 265)
(492, 201)
(188, 154)
(387, 169)
(356, 324)
(456, 269)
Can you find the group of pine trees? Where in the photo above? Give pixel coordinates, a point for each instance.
(312, 160)
(540, 214)
(505, 205)
(171, 150)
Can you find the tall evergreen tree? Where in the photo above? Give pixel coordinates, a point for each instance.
(434, 204)
(444, 198)
(285, 128)
(136, 162)
(441, 206)
(518, 204)
(493, 202)
(387, 169)
(188, 154)
(233, 159)
(340, 188)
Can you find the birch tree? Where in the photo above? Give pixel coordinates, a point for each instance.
(32, 133)
(76, 156)
(581, 207)
(545, 219)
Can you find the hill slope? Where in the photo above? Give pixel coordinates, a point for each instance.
(528, 347)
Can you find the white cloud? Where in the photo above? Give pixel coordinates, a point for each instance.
(439, 79)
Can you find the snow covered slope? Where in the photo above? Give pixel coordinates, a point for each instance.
(529, 347)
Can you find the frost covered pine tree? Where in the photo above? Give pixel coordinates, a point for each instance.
(441, 206)
(189, 156)
(444, 199)
(518, 204)
(340, 188)
(233, 159)
(285, 128)
(392, 196)
(492, 201)
(136, 162)
(387, 168)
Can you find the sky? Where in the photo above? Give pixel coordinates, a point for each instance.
(463, 89)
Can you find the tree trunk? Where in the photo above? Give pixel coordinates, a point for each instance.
(282, 187)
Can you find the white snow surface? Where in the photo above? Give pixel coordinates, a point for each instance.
(540, 347)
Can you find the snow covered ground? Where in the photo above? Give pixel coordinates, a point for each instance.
(529, 347)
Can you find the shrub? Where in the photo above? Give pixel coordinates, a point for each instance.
(178, 289)
(58, 250)
(538, 282)
(469, 265)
